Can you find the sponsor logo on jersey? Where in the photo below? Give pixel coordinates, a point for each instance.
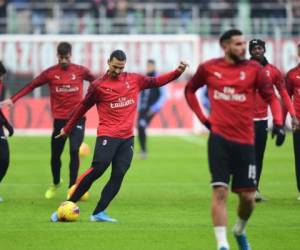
(218, 75)
(229, 94)
(122, 102)
(242, 75)
(66, 88)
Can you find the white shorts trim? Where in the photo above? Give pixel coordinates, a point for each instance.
(219, 184)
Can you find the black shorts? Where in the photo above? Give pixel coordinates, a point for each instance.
(76, 135)
(117, 151)
(231, 159)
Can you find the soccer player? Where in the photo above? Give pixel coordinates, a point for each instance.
(293, 87)
(4, 149)
(232, 81)
(65, 82)
(150, 102)
(115, 95)
(257, 51)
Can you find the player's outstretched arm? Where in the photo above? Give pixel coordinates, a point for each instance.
(154, 82)
(89, 100)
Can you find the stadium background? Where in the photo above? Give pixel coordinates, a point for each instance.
(166, 31)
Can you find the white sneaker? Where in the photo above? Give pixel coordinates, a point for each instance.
(259, 197)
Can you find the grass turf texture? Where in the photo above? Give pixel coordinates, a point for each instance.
(164, 202)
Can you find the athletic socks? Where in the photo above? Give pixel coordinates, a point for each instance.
(239, 227)
(221, 237)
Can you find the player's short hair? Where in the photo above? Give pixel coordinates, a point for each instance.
(226, 36)
(2, 69)
(118, 54)
(64, 48)
(151, 61)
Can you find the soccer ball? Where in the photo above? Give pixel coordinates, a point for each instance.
(68, 211)
(84, 197)
(84, 150)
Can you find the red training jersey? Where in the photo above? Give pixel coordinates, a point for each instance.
(116, 100)
(231, 91)
(261, 106)
(65, 86)
(293, 87)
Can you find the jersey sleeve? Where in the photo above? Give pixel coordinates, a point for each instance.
(289, 84)
(89, 100)
(281, 87)
(88, 76)
(265, 88)
(36, 82)
(146, 82)
(192, 86)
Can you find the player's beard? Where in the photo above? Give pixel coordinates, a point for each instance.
(64, 65)
(236, 58)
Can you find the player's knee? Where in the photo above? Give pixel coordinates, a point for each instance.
(220, 193)
(247, 197)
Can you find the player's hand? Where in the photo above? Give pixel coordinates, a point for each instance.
(182, 66)
(295, 123)
(6, 103)
(279, 132)
(10, 129)
(61, 134)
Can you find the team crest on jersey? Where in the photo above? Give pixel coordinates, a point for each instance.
(127, 85)
(298, 77)
(57, 77)
(104, 142)
(242, 75)
(268, 73)
(73, 77)
(218, 75)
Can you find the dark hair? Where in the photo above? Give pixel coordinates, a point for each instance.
(2, 69)
(256, 42)
(151, 61)
(64, 48)
(228, 34)
(118, 54)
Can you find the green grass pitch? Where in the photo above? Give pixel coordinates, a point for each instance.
(164, 202)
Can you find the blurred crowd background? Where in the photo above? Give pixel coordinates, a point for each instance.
(204, 17)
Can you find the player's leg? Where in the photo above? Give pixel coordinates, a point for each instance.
(57, 147)
(4, 156)
(103, 155)
(104, 152)
(120, 164)
(244, 184)
(296, 144)
(218, 157)
(75, 139)
(142, 125)
(261, 135)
